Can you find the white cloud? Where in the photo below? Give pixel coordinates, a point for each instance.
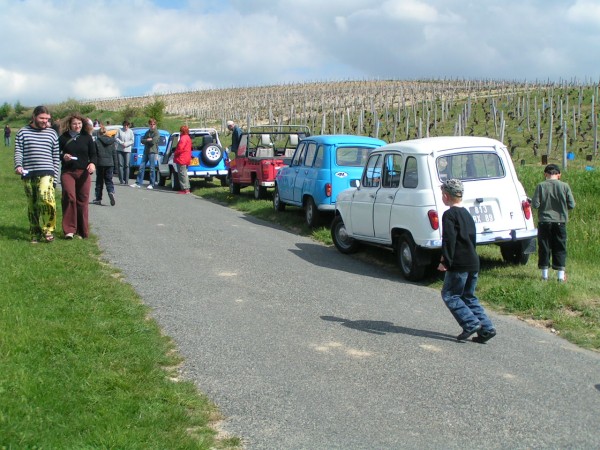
(62, 48)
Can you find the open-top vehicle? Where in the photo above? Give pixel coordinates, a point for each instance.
(262, 151)
(209, 158)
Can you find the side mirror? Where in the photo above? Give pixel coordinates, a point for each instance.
(355, 183)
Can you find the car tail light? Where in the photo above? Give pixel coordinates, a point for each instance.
(526, 209)
(328, 189)
(434, 219)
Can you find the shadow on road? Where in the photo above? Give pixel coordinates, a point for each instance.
(381, 327)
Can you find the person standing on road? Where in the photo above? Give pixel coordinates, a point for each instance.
(460, 262)
(553, 199)
(150, 140)
(37, 161)
(236, 134)
(182, 157)
(107, 160)
(79, 157)
(124, 140)
(7, 132)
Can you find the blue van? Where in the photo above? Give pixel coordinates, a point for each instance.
(321, 167)
(137, 149)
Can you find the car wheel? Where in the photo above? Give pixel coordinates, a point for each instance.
(259, 191)
(406, 252)
(277, 203)
(513, 253)
(175, 181)
(234, 188)
(211, 155)
(341, 240)
(311, 213)
(160, 179)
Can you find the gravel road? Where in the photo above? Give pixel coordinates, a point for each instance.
(302, 347)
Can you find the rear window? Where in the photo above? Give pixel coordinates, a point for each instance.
(352, 156)
(470, 166)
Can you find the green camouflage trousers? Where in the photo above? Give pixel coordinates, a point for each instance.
(41, 205)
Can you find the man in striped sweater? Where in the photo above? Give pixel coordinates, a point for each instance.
(37, 161)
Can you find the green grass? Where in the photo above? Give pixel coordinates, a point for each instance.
(572, 309)
(83, 365)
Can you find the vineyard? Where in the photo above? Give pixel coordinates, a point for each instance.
(535, 120)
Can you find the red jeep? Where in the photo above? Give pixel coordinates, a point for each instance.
(263, 150)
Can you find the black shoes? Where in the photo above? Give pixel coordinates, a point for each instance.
(484, 336)
(97, 202)
(465, 334)
(111, 195)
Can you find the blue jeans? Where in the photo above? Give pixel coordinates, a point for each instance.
(149, 158)
(123, 169)
(458, 294)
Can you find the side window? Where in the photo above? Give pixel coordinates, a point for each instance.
(372, 174)
(319, 157)
(392, 170)
(299, 155)
(411, 174)
(310, 154)
(243, 145)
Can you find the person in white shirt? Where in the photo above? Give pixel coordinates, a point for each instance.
(124, 138)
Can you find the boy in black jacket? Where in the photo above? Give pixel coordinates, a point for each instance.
(460, 262)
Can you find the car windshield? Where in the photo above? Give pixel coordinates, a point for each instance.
(352, 156)
(470, 166)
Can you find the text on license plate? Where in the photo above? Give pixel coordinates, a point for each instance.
(195, 162)
(482, 213)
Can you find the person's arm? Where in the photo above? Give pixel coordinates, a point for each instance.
(18, 155)
(448, 239)
(92, 156)
(570, 198)
(128, 140)
(537, 197)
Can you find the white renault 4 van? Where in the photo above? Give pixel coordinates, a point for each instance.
(398, 202)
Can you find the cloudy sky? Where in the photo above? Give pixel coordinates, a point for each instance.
(54, 50)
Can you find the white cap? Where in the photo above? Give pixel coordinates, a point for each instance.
(229, 122)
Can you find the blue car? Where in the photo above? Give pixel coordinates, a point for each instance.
(321, 167)
(137, 149)
(209, 158)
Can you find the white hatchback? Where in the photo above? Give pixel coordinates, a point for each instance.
(398, 202)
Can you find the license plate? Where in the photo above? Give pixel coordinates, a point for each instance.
(482, 213)
(195, 162)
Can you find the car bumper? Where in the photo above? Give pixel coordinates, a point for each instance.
(266, 183)
(489, 238)
(206, 173)
(326, 207)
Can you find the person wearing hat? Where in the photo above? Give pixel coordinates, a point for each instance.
(236, 134)
(553, 199)
(460, 264)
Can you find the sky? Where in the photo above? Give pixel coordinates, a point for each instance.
(57, 50)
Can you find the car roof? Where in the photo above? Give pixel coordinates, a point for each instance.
(426, 146)
(336, 139)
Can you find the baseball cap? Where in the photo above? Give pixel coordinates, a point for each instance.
(453, 187)
(552, 169)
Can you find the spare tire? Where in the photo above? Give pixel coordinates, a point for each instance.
(211, 155)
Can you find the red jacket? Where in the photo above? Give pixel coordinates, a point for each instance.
(183, 152)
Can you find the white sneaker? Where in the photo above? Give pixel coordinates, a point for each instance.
(149, 187)
(134, 185)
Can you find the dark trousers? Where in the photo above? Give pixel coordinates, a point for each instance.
(552, 242)
(76, 186)
(104, 175)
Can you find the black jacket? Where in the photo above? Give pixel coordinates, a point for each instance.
(107, 151)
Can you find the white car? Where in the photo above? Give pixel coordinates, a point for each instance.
(398, 202)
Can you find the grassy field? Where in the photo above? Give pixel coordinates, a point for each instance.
(571, 309)
(83, 365)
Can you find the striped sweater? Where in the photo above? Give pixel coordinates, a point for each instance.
(36, 150)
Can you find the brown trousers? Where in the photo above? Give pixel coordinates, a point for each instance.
(75, 201)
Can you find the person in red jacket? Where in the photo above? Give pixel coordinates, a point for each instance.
(182, 157)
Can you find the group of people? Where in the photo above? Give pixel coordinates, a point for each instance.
(460, 263)
(42, 155)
